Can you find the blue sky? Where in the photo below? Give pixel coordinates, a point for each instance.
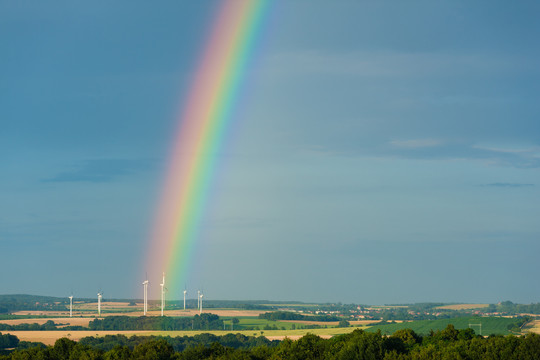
(381, 152)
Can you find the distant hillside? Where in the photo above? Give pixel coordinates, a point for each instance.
(16, 302)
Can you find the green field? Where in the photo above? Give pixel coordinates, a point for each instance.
(260, 324)
(490, 325)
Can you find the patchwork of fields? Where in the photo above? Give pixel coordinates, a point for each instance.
(247, 323)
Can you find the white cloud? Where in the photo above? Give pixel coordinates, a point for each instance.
(416, 143)
(533, 151)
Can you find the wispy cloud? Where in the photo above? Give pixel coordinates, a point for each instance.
(530, 151)
(433, 149)
(416, 143)
(517, 157)
(99, 170)
(508, 185)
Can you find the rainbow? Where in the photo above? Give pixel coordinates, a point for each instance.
(203, 124)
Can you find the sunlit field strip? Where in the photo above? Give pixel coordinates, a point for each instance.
(462, 306)
(49, 337)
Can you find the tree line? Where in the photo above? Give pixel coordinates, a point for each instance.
(11, 303)
(449, 343)
(288, 315)
(204, 321)
(47, 326)
(509, 307)
(198, 322)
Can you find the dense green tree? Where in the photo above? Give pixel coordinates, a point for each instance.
(8, 341)
(448, 344)
(118, 353)
(33, 354)
(408, 337)
(449, 334)
(154, 350)
(84, 352)
(529, 348)
(62, 348)
(361, 345)
(343, 323)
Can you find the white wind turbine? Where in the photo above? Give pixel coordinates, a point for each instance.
(163, 288)
(198, 299)
(99, 296)
(200, 306)
(185, 292)
(145, 296)
(71, 306)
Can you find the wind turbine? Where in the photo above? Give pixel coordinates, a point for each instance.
(198, 299)
(71, 306)
(99, 296)
(145, 295)
(163, 288)
(185, 292)
(200, 306)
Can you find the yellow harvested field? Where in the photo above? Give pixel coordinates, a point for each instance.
(66, 321)
(105, 305)
(41, 313)
(462, 306)
(270, 334)
(535, 328)
(49, 337)
(368, 322)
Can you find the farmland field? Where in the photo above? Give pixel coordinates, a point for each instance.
(253, 322)
(462, 306)
(49, 337)
(535, 327)
(74, 321)
(290, 305)
(490, 325)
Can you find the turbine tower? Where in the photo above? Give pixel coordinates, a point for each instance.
(198, 299)
(99, 296)
(162, 294)
(185, 292)
(71, 306)
(200, 306)
(145, 296)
